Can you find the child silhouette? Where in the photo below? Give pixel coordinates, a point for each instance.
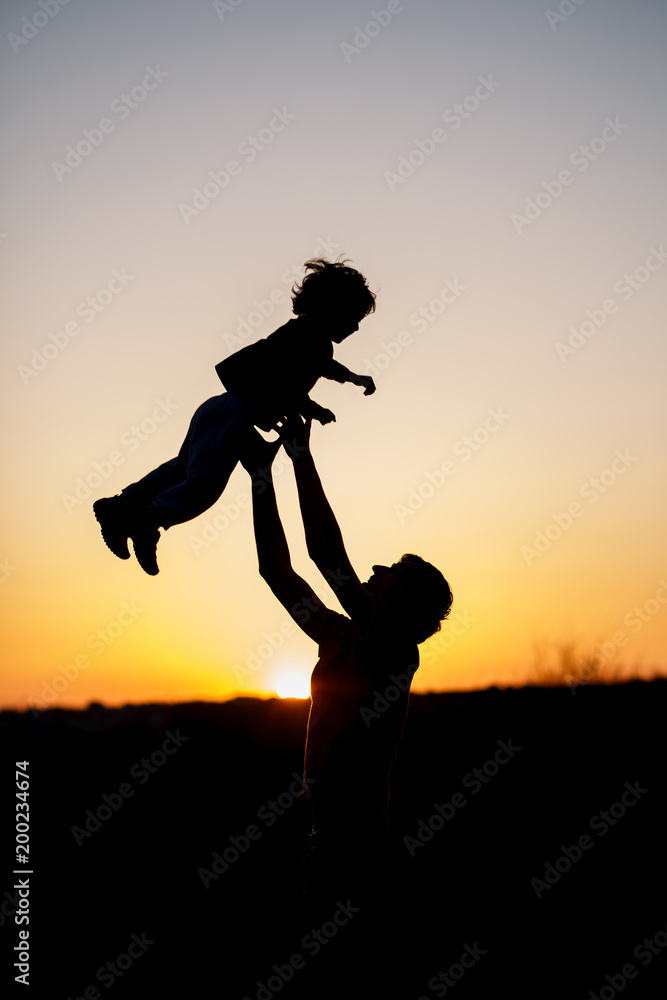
(263, 381)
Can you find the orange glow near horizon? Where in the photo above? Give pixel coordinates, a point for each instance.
(516, 436)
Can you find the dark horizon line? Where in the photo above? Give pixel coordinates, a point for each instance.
(94, 705)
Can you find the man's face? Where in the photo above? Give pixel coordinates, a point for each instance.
(390, 584)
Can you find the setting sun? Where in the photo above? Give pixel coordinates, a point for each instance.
(294, 685)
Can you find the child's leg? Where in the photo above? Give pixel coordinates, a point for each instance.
(145, 490)
(122, 516)
(179, 489)
(196, 478)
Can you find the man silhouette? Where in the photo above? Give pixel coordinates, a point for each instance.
(361, 682)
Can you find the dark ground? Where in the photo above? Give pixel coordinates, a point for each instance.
(470, 884)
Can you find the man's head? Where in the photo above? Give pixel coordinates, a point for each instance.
(337, 297)
(415, 591)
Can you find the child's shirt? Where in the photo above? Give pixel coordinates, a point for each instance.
(275, 374)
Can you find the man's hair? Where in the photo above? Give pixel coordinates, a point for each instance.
(332, 286)
(428, 602)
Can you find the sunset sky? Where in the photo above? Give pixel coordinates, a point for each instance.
(496, 170)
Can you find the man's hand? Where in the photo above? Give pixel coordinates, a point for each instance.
(367, 382)
(256, 453)
(295, 435)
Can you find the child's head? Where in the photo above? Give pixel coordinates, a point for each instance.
(333, 293)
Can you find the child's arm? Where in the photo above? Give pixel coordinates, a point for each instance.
(339, 373)
(310, 410)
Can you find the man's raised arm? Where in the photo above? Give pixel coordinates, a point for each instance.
(275, 565)
(324, 539)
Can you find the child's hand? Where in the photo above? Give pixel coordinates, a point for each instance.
(368, 384)
(325, 416)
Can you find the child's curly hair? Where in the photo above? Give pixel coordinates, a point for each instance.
(332, 287)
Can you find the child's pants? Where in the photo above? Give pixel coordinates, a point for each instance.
(189, 484)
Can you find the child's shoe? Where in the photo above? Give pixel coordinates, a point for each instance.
(145, 535)
(113, 516)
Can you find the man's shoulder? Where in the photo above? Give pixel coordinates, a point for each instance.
(337, 635)
(335, 625)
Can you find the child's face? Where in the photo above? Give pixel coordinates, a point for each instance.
(337, 326)
(344, 329)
